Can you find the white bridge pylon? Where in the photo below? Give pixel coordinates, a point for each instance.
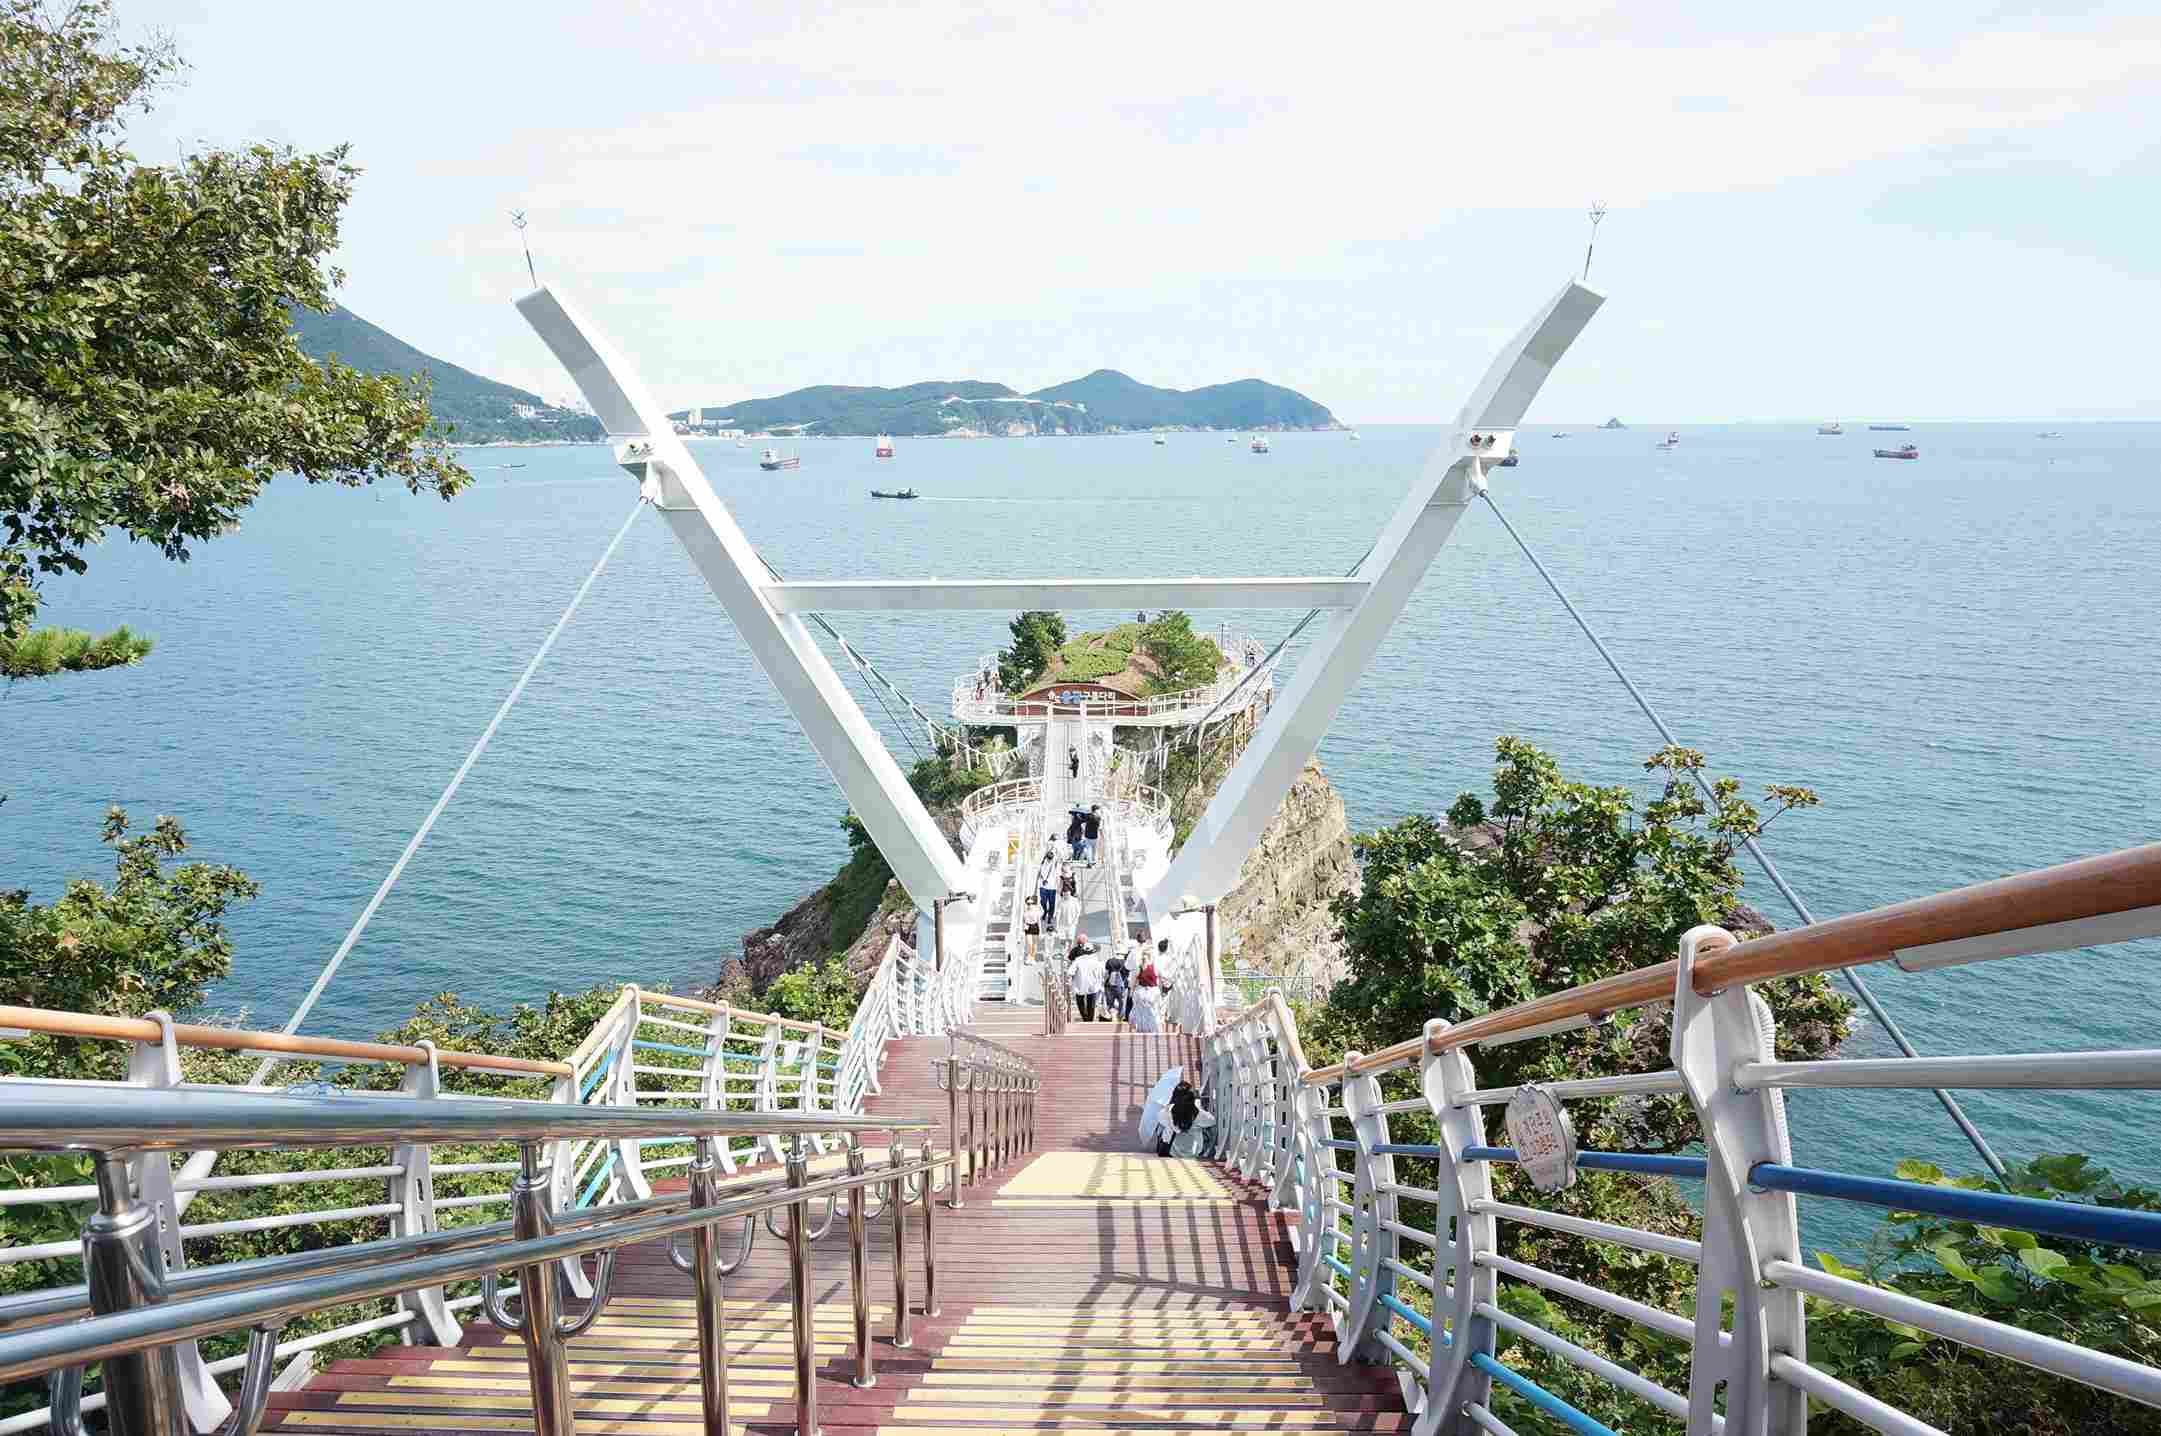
(767, 612)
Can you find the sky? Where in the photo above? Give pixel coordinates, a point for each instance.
(1832, 210)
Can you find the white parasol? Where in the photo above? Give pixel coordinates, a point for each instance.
(1159, 1097)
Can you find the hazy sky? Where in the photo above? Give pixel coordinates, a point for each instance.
(1822, 210)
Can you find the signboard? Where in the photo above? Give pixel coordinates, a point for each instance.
(1544, 1138)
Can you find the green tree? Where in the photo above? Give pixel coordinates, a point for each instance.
(1551, 884)
(150, 383)
(1037, 637)
(1183, 659)
(154, 939)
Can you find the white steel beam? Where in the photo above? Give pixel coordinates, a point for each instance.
(850, 748)
(1207, 866)
(900, 595)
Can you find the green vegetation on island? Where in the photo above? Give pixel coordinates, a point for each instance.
(1144, 658)
(1105, 402)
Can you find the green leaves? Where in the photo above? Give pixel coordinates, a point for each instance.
(150, 384)
(43, 652)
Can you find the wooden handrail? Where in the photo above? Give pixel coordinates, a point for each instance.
(667, 999)
(235, 1039)
(2087, 888)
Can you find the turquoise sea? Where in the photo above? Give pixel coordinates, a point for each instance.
(1958, 654)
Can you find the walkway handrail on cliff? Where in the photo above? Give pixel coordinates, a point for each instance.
(143, 1320)
(1320, 1139)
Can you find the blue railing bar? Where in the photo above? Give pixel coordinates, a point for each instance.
(1406, 1149)
(593, 1079)
(1339, 1266)
(1642, 1388)
(1389, 1300)
(1540, 1397)
(1649, 1163)
(601, 1176)
(2075, 1220)
(670, 1047)
(1339, 1145)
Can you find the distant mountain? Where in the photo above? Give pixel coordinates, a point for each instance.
(1114, 398)
(475, 410)
(1104, 402)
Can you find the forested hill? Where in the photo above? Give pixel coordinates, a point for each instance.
(474, 409)
(1104, 402)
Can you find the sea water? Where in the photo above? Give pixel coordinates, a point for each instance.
(1957, 653)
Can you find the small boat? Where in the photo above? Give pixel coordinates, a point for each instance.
(1830, 426)
(1161, 440)
(1560, 433)
(894, 494)
(1230, 438)
(771, 460)
(1354, 436)
(1509, 462)
(885, 446)
(1889, 428)
(1672, 440)
(1259, 444)
(2050, 434)
(1907, 452)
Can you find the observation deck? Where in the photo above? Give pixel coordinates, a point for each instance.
(1248, 679)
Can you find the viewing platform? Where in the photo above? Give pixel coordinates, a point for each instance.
(1248, 678)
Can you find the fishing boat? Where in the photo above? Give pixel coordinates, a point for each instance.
(1830, 426)
(1509, 462)
(885, 447)
(1907, 451)
(1354, 436)
(2049, 434)
(771, 459)
(1161, 440)
(1889, 428)
(1230, 438)
(1671, 441)
(1259, 444)
(894, 494)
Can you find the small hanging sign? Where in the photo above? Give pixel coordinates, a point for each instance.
(1544, 1138)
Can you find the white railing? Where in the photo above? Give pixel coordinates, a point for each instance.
(996, 804)
(1427, 1296)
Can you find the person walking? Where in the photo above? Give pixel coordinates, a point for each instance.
(1118, 985)
(1046, 885)
(1085, 973)
(1076, 833)
(1031, 925)
(1072, 758)
(1092, 828)
(1147, 1006)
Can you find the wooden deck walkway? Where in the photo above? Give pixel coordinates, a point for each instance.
(1088, 1288)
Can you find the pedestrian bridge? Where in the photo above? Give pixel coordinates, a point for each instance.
(704, 1220)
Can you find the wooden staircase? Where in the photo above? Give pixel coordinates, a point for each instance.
(1087, 1289)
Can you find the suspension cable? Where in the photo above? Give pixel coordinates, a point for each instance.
(337, 959)
(870, 673)
(1755, 849)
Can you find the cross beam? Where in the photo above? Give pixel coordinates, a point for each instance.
(1207, 866)
(1010, 594)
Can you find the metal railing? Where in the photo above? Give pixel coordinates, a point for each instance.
(991, 1094)
(648, 1051)
(1428, 1298)
(144, 1313)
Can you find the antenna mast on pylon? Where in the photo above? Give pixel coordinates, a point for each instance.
(517, 222)
(1598, 212)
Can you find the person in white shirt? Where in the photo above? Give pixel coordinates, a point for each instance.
(1085, 972)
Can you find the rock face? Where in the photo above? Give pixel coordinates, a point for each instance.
(1277, 919)
(806, 935)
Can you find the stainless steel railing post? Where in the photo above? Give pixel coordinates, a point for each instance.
(954, 1099)
(979, 1123)
(712, 1296)
(859, 1269)
(930, 1230)
(124, 1269)
(806, 1371)
(547, 1364)
(896, 1202)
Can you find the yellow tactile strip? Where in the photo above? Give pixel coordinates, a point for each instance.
(1114, 1176)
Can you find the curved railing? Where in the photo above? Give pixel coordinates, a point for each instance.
(140, 1312)
(991, 1094)
(976, 699)
(1428, 1297)
(986, 805)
